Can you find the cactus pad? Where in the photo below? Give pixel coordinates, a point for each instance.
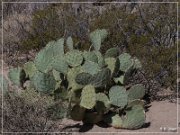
(83, 78)
(69, 43)
(90, 67)
(136, 102)
(113, 64)
(56, 75)
(114, 120)
(46, 56)
(97, 37)
(88, 97)
(44, 83)
(118, 96)
(17, 76)
(71, 76)
(102, 102)
(74, 58)
(29, 69)
(59, 64)
(90, 56)
(101, 78)
(125, 62)
(101, 61)
(134, 118)
(112, 52)
(136, 92)
(119, 79)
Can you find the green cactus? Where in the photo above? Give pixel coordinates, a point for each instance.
(90, 56)
(97, 37)
(44, 83)
(113, 64)
(74, 58)
(112, 52)
(134, 118)
(29, 69)
(56, 75)
(83, 78)
(60, 64)
(91, 85)
(46, 56)
(17, 76)
(119, 79)
(101, 61)
(135, 102)
(77, 113)
(102, 103)
(102, 78)
(118, 96)
(91, 67)
(136, 92)
(69, 43)
(88, 97)
(114, 120)
(71, 76)
(125, 62)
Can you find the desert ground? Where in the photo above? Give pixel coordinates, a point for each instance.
(161, 114)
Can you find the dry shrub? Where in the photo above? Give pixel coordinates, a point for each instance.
(27, 112)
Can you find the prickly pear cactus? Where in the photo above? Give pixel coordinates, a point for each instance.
(112, 52)
(60, 64)
(44, 82)
(134, 118)
(125, 62)
(29, 69)
(136, 92)
(97, 37)
(17, 76)
(69, 43)
(90, 56)
(88, 97)
(91, 84)
(91, 67)
(114, 120)
(74, 58)
(84, 78)
(46, 56)
(102, 102)
(101, 78)
(118, 96)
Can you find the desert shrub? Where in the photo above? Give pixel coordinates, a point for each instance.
(53, 22)
(45, 27)
(131, 32)
(27, 112)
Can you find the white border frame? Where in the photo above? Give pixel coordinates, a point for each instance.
(94, 132)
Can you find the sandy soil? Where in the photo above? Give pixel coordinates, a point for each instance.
(160, 114)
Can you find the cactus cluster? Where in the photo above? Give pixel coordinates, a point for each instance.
(92, 83)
